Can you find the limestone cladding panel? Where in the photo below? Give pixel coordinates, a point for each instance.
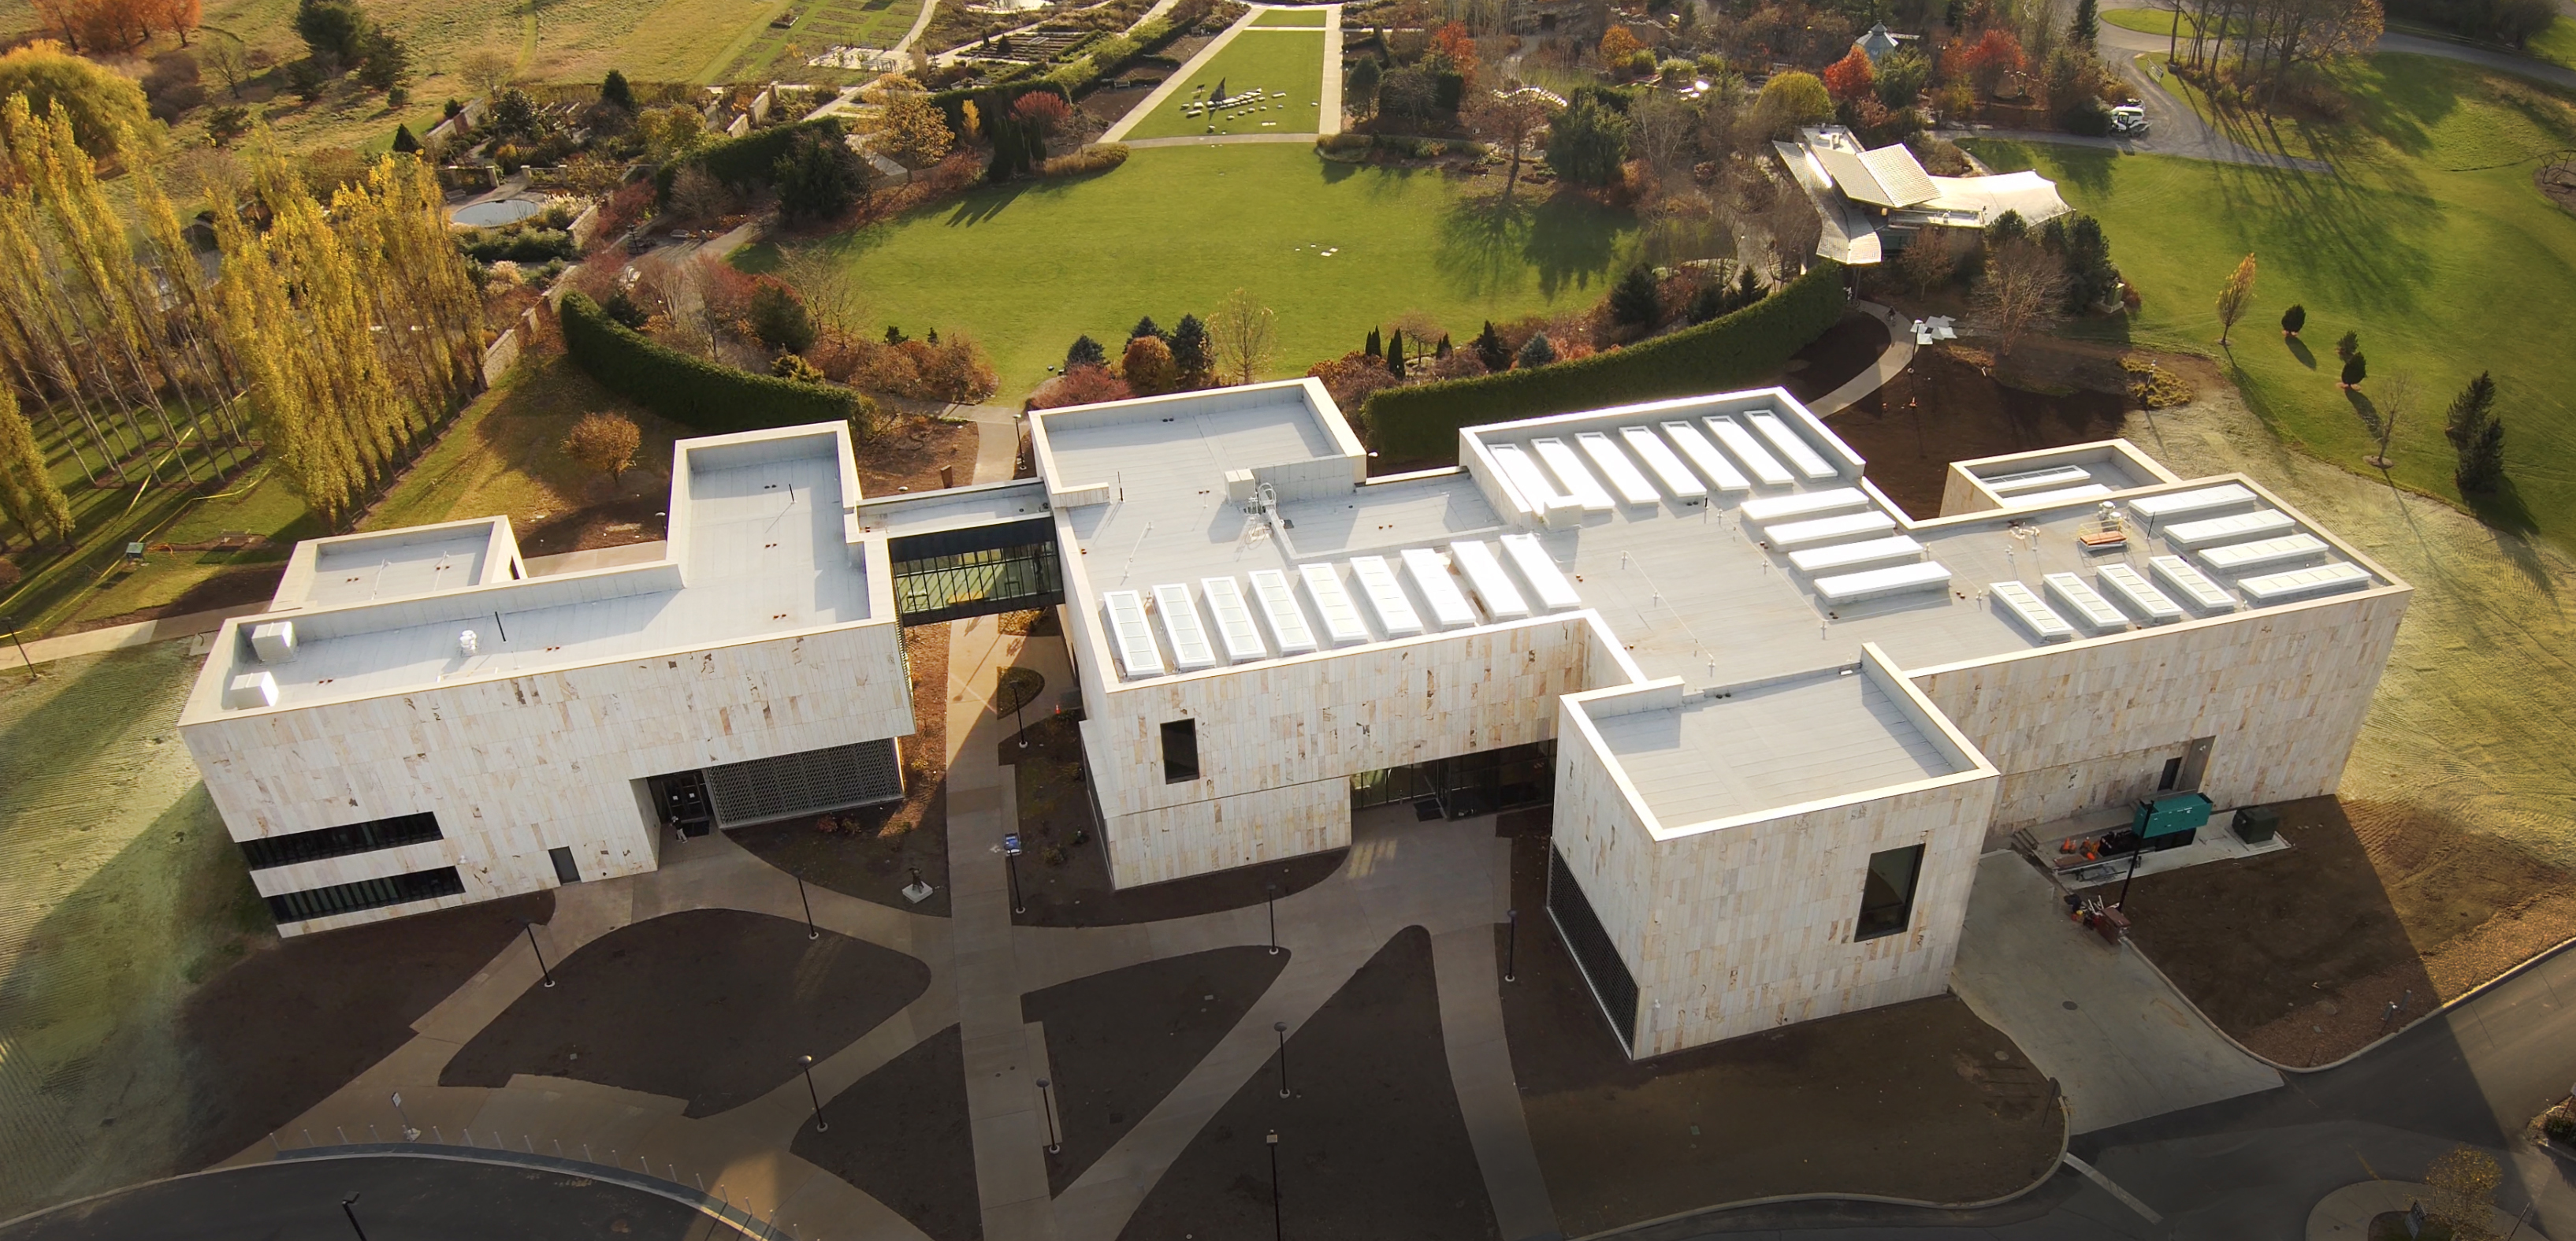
(517, 766)
(2283, 692)
(1279, 725)
(1195, 838)
(1739, 929)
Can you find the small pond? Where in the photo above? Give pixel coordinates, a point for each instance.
(497, 211)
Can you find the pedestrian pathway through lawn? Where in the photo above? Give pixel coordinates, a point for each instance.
(1262, 77)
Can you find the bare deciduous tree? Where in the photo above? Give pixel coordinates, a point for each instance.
(830, 287)
(2396, 397)
(1245, 334)
(1510, 120)
(1663, 131)
(487, 70)
(2024, 289)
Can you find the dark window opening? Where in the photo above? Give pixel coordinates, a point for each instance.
(342, 898)
(1887, 896)
(1589, 943)
(2172, 775)
(565, 870)
(367, 837)
(1180, 751)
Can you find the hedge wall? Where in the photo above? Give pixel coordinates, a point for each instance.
(689, 390)
(1422, 421)
(746, 160)
(1101, 57)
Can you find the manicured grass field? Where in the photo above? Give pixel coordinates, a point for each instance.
(2429, 240)
(1268, 59)
(2150, 21)
(1291, 17)
(2557, 44)
(781, 54)
(1027, 267)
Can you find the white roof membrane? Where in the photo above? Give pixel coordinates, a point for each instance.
(1827, 529)
(1555, 594)
(2261, 553)
(1439, 587)
(1758, 461)
(2038, 480)
(2153, 510)
(2128, 586)
(2059, 495)
(1569, 470)
(1395, 613)
(1234, 627)
(1875, 583)
(1342, 624)
(1659, 458)
(1805, 504)
(2232, 529)
(2042, 619)
(1705, 455)
(2323, 579)
(1133, 638)
(1288, 627)
(1801, 455)
(1485, 574)
(1615, 466)
(1191, 650)
(1536, 488)
(1854, 555)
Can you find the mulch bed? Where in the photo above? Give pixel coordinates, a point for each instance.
(1831, 360)
(1942, 408)
(404, 1196)
(2298, 954)
(1064, 874)
(901, 1135)
(1918, 1100)
(1120, 1041)
(908, 453)
(873, 851)
(347, 999)
(709, 1005)
(255, 583)
(1372, 1144)
(613, 523)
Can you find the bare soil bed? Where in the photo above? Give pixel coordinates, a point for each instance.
(1371, 1143)
(1064, 873)
(2299, 954)
(608, 523)
(904, 1139)
(1945, 407)
(1919, 1100)
(1831, 360)
(254, 583)
(906, 455)
(1118, 1042)
(708, 1005)
(871, 853)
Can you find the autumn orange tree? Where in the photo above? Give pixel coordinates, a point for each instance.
(1851, 77)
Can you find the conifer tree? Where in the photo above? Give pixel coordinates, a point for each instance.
(1395, 353)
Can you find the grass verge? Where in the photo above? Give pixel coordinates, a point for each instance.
(1264, 58)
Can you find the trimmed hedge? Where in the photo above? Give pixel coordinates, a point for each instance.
(1099, 58)
(746, 160)
(688, 390)
(1422, 420)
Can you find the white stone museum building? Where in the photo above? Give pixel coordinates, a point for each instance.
(1777, 719)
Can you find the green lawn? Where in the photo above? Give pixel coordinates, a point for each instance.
(2150, 21)
(1027, 267)
(1272, 61)
(2557, 44)
(2429, 240)
(1291, 17)
(781, 54)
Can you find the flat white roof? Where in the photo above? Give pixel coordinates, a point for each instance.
(1808, 739)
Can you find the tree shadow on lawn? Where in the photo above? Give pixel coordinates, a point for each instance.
(983, 205)
(2299, 349)
(1489, 246)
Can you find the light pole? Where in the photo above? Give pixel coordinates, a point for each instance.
(1278, 1232)
(1281, 1029)
(1511, 944)
(808, 902)
(349, 1207)
(1271, 905)
(410, 1134)
(1010, 862)
(542, 968)
(820, 1125)
(1047, 1102)
(10, 623)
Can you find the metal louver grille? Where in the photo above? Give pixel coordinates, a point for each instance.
(807, 783)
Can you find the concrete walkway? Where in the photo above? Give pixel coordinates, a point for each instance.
(2112, 1033)
(1330, 122)
(1899, 355)
(2345, 1214)
(120, 637)
(1218, 140)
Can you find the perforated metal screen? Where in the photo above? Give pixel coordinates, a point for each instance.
(808, 783)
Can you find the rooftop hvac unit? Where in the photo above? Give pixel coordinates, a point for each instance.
(251, 689)
(274, 642)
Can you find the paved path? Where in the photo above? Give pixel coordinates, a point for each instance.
(1330, 120)
(1899, 354)
(119, 637)
(1172, 85)
(1219, 140)
(2120, 1043)
(2508, 62)
(2345, 1214)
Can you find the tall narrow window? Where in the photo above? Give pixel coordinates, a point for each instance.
(2172, 775)
(1887, 895)
(565, 870)
(1180, 751)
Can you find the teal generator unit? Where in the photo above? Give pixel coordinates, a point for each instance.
(2165, 816)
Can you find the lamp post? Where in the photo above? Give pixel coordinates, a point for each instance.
(820, 1125)
(1511, 944)
(349, 1207)
(409, 1132)
(1044, 1100)
(1280, 1028)
(1277, 1231)
(1270, 904)
(808, 902)
(542, 968)
(10, 623)
(1010, 862)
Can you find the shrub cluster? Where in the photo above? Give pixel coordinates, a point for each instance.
(689, 390)
(1422, 421)
(534, 245)
(749, 159)
(1098, 157)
